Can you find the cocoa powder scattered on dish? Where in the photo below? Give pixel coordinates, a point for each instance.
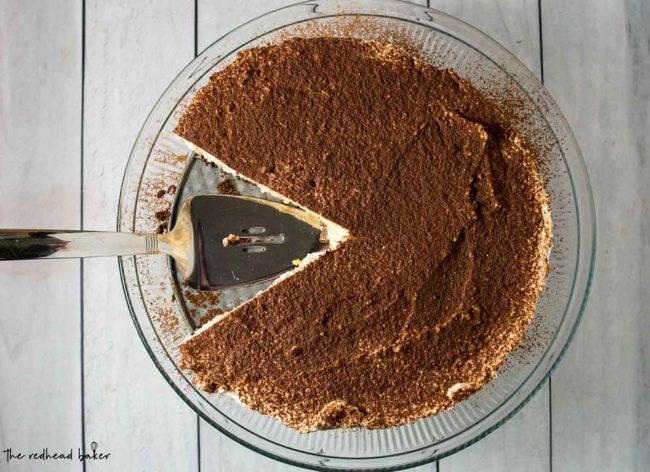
(227, 187)
(201, 299)
(450, 230)
(209, 315)
(163, 217)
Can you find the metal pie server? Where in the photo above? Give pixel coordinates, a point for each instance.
(218, 241)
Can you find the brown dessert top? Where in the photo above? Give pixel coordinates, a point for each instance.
(448, 217)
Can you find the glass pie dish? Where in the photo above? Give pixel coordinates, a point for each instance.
(162, 172)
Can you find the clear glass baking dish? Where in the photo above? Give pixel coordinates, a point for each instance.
(164, 312)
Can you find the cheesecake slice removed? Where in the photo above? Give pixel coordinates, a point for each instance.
(437, 216)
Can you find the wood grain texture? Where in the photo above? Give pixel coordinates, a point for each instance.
(597, 66)
(133, 50)
(40, 116)
(523, 443)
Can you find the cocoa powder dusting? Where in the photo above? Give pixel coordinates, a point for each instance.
(450, 230)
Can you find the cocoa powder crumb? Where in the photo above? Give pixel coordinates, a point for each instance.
(201, 299)
(227, 187)
(163, 215)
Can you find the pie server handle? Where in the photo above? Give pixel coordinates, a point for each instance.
(18, 244)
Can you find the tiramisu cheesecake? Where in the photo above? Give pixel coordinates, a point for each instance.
(448, 233)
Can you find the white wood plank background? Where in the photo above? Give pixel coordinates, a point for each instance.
(132, 51)
(597, 65)
(40, 136)
(53, 172)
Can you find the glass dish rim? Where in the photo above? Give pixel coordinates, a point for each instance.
(580, 310)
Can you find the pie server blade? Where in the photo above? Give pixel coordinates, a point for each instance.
(243, 240)
(217, 241)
